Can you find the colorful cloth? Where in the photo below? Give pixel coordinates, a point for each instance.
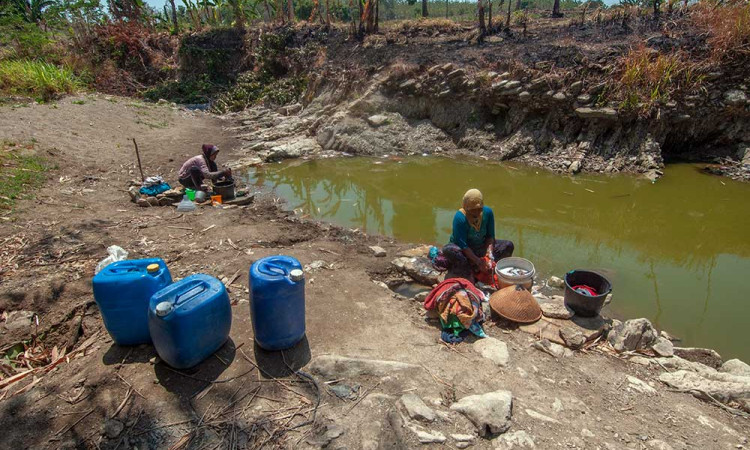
(454, 260)
(155, 190)
(447, 288)
(459, 306)
(585, 290)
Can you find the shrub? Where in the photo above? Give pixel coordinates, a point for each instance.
(36, 79)
(728, 28)
(252, 89)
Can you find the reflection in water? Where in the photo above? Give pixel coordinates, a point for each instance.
(662, 245)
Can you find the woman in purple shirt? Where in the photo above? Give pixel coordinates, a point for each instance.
(198, 168)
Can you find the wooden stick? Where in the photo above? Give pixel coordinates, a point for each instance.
(138, 155)
(65, 429)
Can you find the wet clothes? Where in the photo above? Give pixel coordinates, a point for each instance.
(459, 306)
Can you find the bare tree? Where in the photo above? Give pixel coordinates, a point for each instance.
(175, 22)
(556, 9)
(290, 10)
(424, 8)
(482, 27)
(507, 19)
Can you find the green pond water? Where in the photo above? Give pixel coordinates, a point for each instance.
(677, 251)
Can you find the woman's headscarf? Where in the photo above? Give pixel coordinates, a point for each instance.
(208, 150)
(473, 200)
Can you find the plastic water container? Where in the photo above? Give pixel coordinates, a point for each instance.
(122, 290)
(277, 302)
(189, 320)
(185, 205)
(515, 271)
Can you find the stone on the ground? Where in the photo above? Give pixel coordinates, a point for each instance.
(113, 428)
(634, 334)
(332, 431)
(668, 336)
(735, 367)
(421, 296)
(416, 409)
(167, 201)
(419, 269)
(723, 387)
(539, 416)
(18, 320)
(142, 202)
(555, 307)
(705, 356)
(658, 444)
(489, 412)
(343, 391)
(515, 440)
(428, 437)
(552, 349)
(422, 250)
(575, 88)
(556, 282)
(596, 113)
(560, 97)
(493, 349)
(573, 338)
(377, 120)
(587, 433)
(378, 251)
(557, 405)
(574, 167)
(334, 367)
(462, 437)
(663, 347)
(735, 97)
(524, 96)
(134, 193)
(293, 149)
(639, 385)
(153, 201)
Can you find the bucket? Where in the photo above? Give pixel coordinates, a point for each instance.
(190, 194)
(225, 189)
(505, 278)
(582, 304)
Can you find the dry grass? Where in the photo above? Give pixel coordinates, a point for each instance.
(426, 24)
(646, 77)
(728, 28)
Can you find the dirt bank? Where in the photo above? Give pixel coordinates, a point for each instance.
(107, 396)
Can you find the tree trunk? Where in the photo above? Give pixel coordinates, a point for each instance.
(314, 12)
(268, 11)
(328, 13)
(361, 19)
(518, 5)
(353, 27)
(657, 8)
(239, 14)
(280, 11)
(556, 9)
(424, 8)
(489, 15)
(290, 10)
(482, 28)
(175, 22)
(377, 15)
(507, 19)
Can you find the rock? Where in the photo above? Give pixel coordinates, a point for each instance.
(663, 347)
(572, 338)
(416, 409)
(584, 99)
(425, 437)
(421, 297)
(524, 96)
(639, 385)
(735, 97)
(153, 201)
(112, 428)
(668, 336)
(167, 201)
(700, 355)
(596, 113)
(142, 202)
(462, 437)
(420, 269)
(18, 320)
(334, 367)
(324, 439)
(657, 444)
(557, 405)
(735, 367)
(489, 412)
(377, 120)
(556, 282)
(379, 252)
(512, 85)
(516, 439)
(653, 175)
(134, 192)
(634, 334)
(315, 265)
(587, 433)
(174, 193)
(240, 201)
(574, 167)
(293, 149)
(422, 250)
(493, 349)
(555, 308)
(550, 348)
(560, 97)
(344, 391)
(407, 85)
(575, 88)
(539, 416)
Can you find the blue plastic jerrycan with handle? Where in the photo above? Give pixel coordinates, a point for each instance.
(277, 302)
(122, 291)
(189, 320)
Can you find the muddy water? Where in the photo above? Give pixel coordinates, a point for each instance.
(677, 251)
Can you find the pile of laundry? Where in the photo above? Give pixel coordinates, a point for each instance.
(154, 191)
(458, 304)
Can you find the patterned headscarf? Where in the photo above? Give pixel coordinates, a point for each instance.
(208, 150)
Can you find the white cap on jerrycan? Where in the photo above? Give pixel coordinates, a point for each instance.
(163, 308)
(296, 275)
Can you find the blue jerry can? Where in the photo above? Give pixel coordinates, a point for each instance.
(122, 291)
(277, 302)
(189, 320)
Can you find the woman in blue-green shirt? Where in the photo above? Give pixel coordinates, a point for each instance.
(473, 237)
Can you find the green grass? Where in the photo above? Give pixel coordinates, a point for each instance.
(20, 173)
(36, 79)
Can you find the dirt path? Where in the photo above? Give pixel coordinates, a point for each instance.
(113, 397)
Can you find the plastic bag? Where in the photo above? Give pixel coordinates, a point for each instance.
(116, 253)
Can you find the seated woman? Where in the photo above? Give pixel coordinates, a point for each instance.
(198, 168)
(473, 238)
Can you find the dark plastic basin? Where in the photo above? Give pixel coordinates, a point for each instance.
(581, 304)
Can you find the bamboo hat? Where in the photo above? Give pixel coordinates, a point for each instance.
(516, 304)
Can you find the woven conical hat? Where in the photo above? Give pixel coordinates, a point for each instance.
(516, 304)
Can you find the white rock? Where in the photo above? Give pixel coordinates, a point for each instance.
(516, 439)
(428, 437)
(640, 386)
(663, 347)
(489, 412)
(557, 405)
(334, 367)
(416, 409)
(724, 387)
(587, 433)
(555, 308)
(658, 444)
(493, 349)
(18, 320)
(556, 282)
(539, 416)
(377, 120)
(378, 251)
(735, 367)
(462, 437)
(551, 348)
(634, 334)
